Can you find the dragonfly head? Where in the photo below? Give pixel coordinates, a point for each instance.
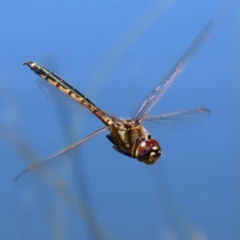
(148, 151)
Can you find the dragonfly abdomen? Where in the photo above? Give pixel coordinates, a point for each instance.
(67, 89)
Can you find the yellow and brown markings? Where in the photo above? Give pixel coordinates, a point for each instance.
(67, 89)
(125, 136)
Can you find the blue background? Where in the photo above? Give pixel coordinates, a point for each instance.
(115, 52)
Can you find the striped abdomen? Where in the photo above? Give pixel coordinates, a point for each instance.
(67, 89)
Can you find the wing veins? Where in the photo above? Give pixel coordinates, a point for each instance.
(158, 91)
(186, 116)
(61, 153)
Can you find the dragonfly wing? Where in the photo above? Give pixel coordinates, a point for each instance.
(154, 96)
(181, 118)
(56, 157)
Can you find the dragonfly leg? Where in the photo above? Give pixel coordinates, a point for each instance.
(110, 139)
(121, 151)
(116, 148)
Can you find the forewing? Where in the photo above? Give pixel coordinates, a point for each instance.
(158, 91)
(59, 156)
(181, 118)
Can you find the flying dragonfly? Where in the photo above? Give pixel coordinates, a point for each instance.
(128, 136)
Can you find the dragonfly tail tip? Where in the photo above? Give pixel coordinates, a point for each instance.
(29, 63)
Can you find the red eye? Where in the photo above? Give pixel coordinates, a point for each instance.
(148, 151)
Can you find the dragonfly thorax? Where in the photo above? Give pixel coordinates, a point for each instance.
(130, 138)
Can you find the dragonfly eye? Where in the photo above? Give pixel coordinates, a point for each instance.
(148, 151)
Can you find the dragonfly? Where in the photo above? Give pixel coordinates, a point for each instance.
(128, 136)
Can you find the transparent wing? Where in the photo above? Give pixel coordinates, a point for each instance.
(181, 118)
(61, 99)
(61, 155)
(154, 96)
